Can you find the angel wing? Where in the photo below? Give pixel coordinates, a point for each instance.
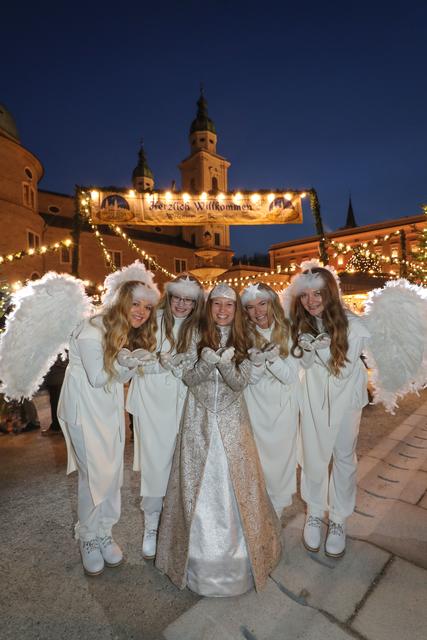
(46, 312)
(396, 317)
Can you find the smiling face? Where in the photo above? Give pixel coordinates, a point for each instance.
(139, 313)
(312, 301)
(223, 311)
(259, 312)
(181, 307)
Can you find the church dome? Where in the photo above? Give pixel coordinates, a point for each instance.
(142, 170)
(7, 124)
(202, 122)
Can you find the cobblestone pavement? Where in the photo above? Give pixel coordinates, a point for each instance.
(378, 590)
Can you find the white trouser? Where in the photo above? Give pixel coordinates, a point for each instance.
(336, 493)
(93, 520)
(151, 505)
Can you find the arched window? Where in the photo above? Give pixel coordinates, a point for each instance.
(215, 184)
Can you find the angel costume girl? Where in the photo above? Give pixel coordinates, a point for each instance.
(156, 399)
(329, 340)
(272, 401)
(219, 534)
(91, 408)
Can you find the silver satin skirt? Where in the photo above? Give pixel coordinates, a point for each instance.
(218, 562)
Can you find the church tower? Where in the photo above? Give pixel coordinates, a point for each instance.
(204, 169)
(142, 176)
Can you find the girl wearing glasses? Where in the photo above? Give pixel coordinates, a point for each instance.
(156, 398)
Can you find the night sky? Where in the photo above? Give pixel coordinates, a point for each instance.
(325, 94)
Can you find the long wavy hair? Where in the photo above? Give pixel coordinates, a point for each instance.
(190, 326)
(239, 335)
(276, 316)
(334, 320)
(119, 332)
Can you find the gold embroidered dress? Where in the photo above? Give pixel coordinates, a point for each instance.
(219, 534)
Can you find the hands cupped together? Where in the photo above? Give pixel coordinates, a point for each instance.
(133, 359)
(172, 362)
(221, 356)
(310, 343)
(269, 353)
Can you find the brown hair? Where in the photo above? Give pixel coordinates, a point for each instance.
(238, 338)
(333, 317)
(281, 325)
(190, 326)
(119, 332)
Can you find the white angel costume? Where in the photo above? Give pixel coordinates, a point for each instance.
(219, 534)
(273, 411)
(91, 407)
(393, 333)
(91, 415)
(331, 408)
(156, 399)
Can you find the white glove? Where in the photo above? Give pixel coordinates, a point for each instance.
(256, 356)
(208, 355)
(143, 356)
(170, 362)
(271, 352)
(305, 341)
(322, 341)
(126, 359)
(226, 355)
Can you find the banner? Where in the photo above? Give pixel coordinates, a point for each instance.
(182, 209)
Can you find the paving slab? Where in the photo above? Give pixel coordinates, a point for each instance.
(423, 502)
(334, 586)
(267, 615)
(415, 488)
(416, 418)
(403, 531)
(390, 482)
(396, 609)
(422, 409)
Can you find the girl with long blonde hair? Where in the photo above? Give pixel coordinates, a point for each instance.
(156, 398)
(272, 401)
(105, 352)
(219, 534)
(329, 341)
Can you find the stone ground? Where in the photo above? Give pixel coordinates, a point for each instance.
(378, 590)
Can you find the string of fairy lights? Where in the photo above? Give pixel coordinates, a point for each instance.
(151, 261)
(36, 251)
(365, 257)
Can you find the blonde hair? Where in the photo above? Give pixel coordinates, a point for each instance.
(334, 320)
(281, 325)
(119, 332)
(190, 325)
(238, 338)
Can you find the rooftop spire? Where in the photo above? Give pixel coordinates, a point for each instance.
(351, 220)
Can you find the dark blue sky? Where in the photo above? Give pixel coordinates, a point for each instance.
(331, 95)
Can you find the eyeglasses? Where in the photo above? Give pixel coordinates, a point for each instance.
(186, 301)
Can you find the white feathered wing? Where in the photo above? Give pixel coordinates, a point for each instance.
(396, 317)
(45, 314)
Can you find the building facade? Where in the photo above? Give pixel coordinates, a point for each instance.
(33, 220)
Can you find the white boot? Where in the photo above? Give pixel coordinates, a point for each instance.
(111, 551)
(312, 532)
(149, 543)
(335, 542)
(93, 562)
